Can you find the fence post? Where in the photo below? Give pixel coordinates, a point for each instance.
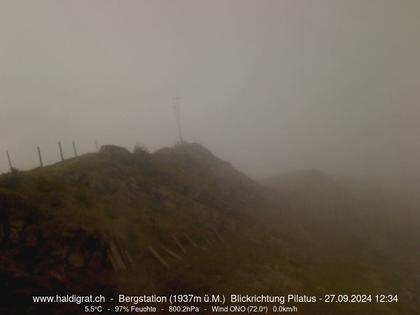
(40, 157)
(74, 149)
(61, 150)
(10, 161)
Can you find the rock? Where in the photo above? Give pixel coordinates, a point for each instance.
(115, 150)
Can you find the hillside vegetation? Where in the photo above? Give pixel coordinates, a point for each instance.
(182, 220)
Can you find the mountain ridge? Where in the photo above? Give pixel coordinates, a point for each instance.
(176, 220)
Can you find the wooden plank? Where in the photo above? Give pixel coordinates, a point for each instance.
(129, 259)
(209, 243)
(112, 260)
(191, 240)
(219, 237)
(158, 257)
(179, 244)
(172, 253)
(116, 254)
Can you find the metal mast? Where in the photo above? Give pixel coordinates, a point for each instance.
(176, 103)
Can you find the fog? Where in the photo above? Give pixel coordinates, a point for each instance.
(270, 86)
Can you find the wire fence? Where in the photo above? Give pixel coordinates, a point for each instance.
(40, 161)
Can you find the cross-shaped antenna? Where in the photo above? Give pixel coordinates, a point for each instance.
(176, 103)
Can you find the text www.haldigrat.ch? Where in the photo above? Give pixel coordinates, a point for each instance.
(69, 298)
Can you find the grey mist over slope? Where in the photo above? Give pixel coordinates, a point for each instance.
(271, 86)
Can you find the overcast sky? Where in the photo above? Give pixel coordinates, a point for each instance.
(270, 86)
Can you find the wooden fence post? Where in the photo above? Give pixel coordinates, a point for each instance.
(10, 161)
(74, 149)
(40, 157)
(61, 150)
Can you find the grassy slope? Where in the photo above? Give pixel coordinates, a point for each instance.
(237, 236)
(363, 238)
